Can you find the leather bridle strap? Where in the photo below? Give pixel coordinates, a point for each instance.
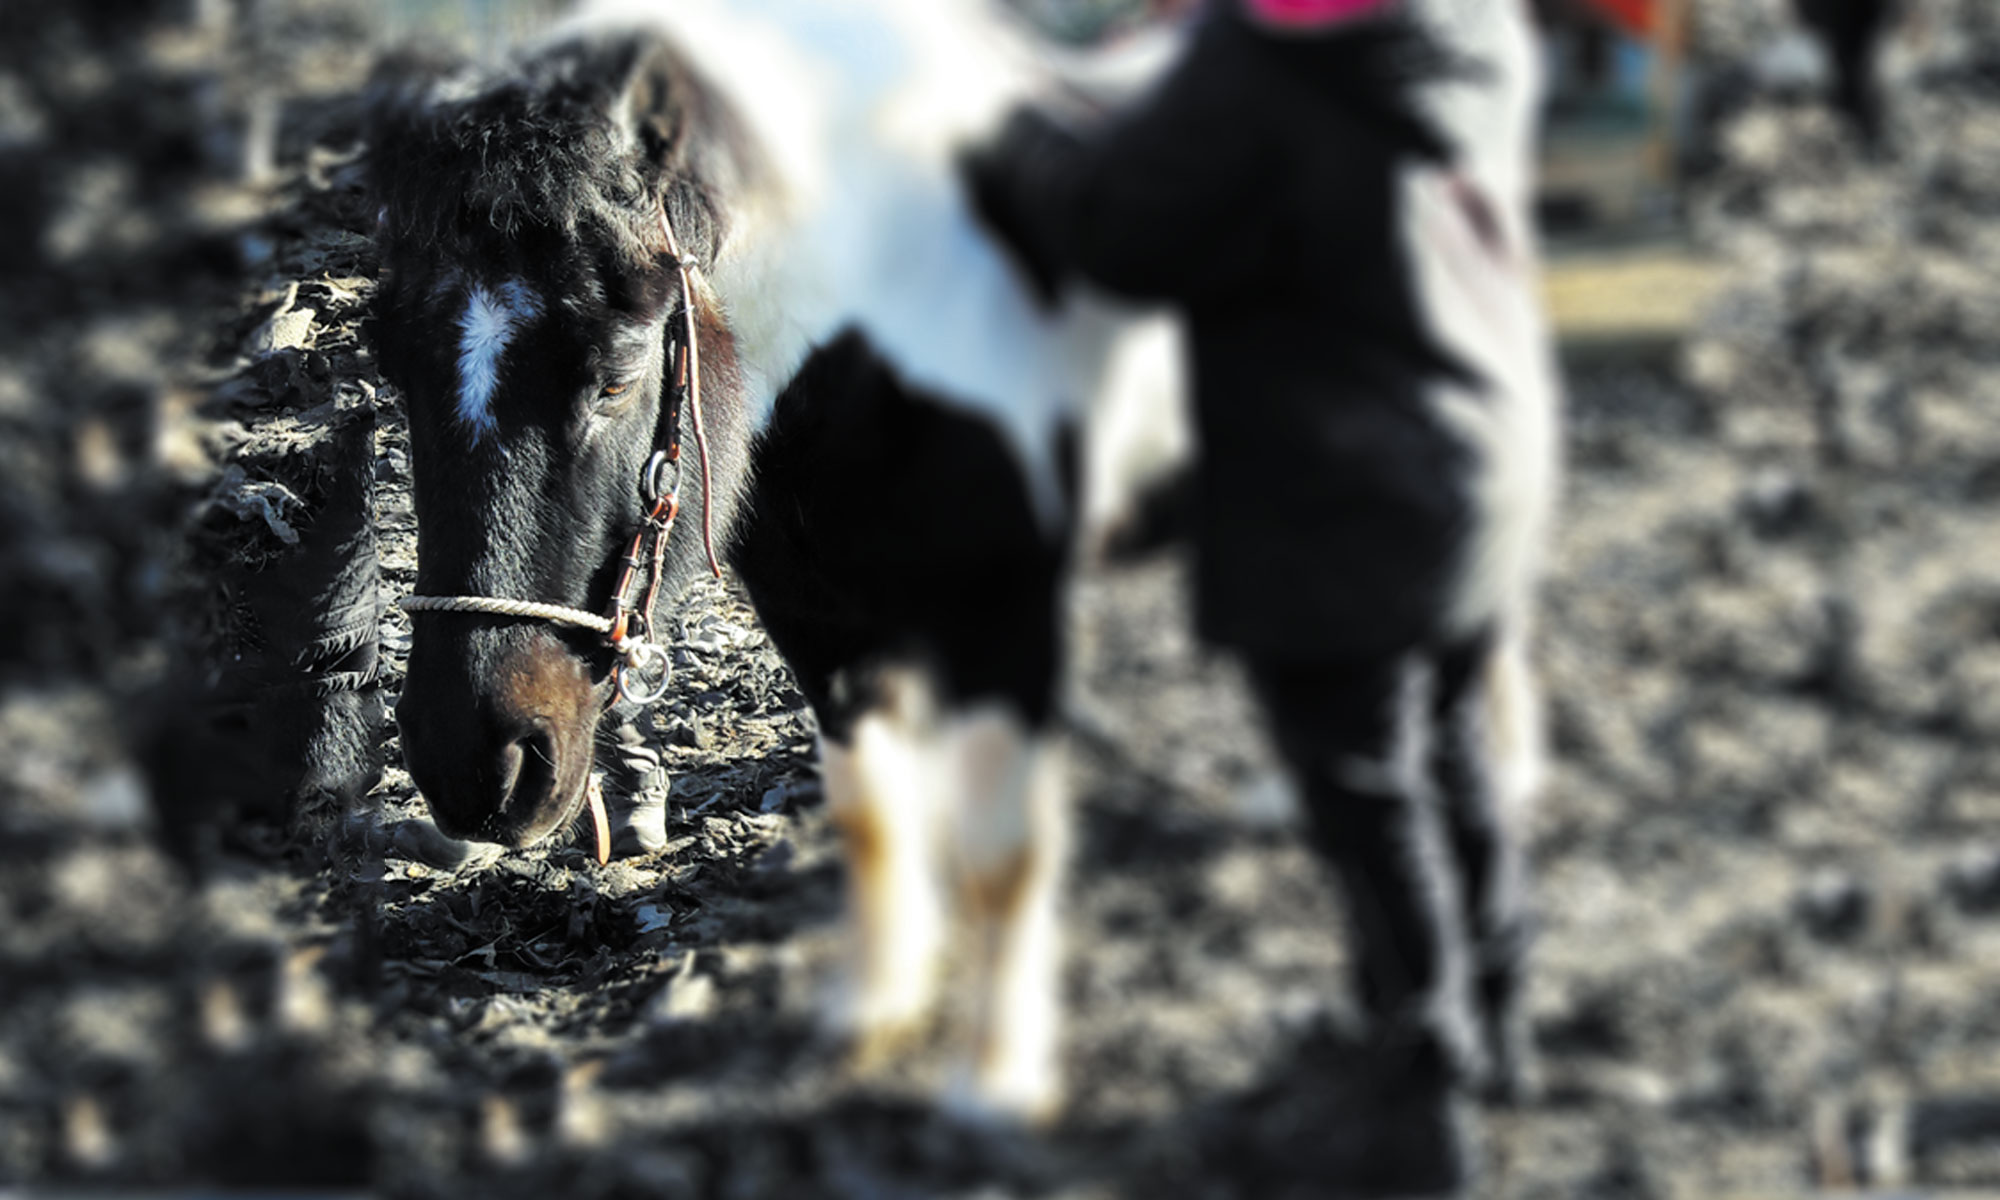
(687, 381)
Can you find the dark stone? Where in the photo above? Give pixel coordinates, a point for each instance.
(1973, 882)
(691, 734)
(1834, 906)
(1777, 504)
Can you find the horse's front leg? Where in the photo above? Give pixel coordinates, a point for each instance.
(881, 789)
(1010, 851)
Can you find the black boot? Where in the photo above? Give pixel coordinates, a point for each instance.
(1341, 1119)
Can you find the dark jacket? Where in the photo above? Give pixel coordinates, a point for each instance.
(1256, 190)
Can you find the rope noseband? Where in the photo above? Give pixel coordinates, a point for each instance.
(628, 626)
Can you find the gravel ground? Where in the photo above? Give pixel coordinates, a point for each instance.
(1769, 860)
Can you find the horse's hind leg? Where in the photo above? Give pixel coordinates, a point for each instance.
(1011, 845)
(882, 790)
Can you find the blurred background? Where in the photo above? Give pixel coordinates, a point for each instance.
(1768, 863)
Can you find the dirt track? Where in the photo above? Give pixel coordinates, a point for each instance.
(1769, 861)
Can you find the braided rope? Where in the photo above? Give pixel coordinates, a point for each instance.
(508, 608)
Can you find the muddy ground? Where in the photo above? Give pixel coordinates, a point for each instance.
(1768, 860)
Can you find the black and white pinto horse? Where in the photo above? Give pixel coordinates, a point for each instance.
(778, 176)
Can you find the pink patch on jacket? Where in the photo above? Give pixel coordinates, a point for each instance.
(1311, 14)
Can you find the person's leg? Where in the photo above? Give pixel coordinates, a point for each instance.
(1854, 41)
(1487, 852)
(1355, 734)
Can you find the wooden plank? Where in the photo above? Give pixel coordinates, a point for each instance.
(1628, 300)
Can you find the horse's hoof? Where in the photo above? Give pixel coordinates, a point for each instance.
(879, 1026)
(636, 789)
(640, 828)
(1019, 1097)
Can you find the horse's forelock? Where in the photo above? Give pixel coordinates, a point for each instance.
(450, 172)
(569, 153)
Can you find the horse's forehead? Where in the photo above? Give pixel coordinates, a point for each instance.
(486, 323)
(491, 320)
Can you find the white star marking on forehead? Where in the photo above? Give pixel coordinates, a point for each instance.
(489, 324)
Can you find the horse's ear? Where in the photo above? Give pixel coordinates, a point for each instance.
(628, 79)
(652, 108)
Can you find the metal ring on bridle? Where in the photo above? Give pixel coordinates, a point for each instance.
(639, 658)
(653, 480)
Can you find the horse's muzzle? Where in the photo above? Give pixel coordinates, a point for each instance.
(498, 728)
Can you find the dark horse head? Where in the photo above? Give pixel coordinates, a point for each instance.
(524, 311)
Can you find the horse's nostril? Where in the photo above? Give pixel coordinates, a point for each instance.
(531, 774)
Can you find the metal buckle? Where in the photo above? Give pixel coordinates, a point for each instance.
(640, 658)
